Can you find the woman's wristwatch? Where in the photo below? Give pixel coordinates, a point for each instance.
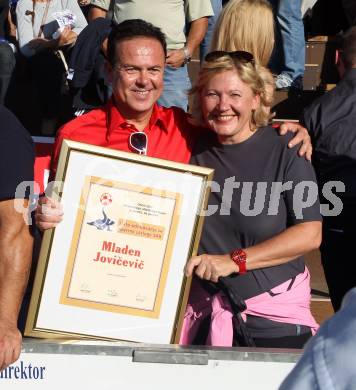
(238, 256)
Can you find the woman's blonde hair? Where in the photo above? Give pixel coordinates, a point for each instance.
(246, 25)
(257, 77)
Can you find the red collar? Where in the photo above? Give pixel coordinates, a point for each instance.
(115, 120)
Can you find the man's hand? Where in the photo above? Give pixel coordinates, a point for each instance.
(301, 136)
(175, 58)
(10, 344)
(210, 267)
(49, 213)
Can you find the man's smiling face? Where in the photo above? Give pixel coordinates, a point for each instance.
(137, 78)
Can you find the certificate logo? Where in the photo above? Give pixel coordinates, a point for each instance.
(105, 222)
(105, 199)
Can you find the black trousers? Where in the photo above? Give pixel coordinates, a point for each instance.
(271, 334)
(264, 333)
(47, 73)
(292, 342)
(350, 11)
(7, 65)
(338, 253)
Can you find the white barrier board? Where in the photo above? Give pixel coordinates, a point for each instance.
(85, 371)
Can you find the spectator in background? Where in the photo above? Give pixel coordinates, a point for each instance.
(206, 42)
(16, 162)
(233, 32)
(7, 56)
(350, 11)
(90, 85)
(37, 25)
(170, 16)
(289, 57)
(7, 65)
(328, 360)
(40, 36)
(331, 122)
(4, 11)
(84, 6)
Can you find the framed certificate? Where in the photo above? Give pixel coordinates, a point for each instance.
(114, 267)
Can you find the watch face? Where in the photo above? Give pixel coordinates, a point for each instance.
(187, 56)
(238, 256)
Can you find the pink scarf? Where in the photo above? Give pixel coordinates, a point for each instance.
(288, 306)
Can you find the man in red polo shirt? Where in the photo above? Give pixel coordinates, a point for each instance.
(136, 56)
(132, 120)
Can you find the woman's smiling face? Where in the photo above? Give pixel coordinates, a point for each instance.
(227, 104)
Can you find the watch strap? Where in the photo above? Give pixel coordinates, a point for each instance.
(238, 256)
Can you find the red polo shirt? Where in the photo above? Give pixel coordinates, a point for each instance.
(169, 134)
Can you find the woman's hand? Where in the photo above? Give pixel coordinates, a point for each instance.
(67, 37)
(301, 136)
(210, 267)
(48, 214)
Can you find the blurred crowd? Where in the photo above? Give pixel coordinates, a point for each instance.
(42, 45)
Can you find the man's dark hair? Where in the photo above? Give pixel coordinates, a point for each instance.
(130, 29)
(348, 48)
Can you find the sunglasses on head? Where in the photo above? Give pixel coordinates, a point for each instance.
(243, 56)
(138, 141)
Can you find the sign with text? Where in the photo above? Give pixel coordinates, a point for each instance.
(114, 267)
(121, 248)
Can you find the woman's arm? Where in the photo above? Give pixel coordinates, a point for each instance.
(288, 245)
(291, 243)
(301, 235)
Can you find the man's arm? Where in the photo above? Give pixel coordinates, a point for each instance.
(197, 13)
(301, 138)
(198, 27)
(15, 260)
(196, 34)
(96, 12)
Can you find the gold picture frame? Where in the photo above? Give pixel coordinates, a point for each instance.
(113, 268)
